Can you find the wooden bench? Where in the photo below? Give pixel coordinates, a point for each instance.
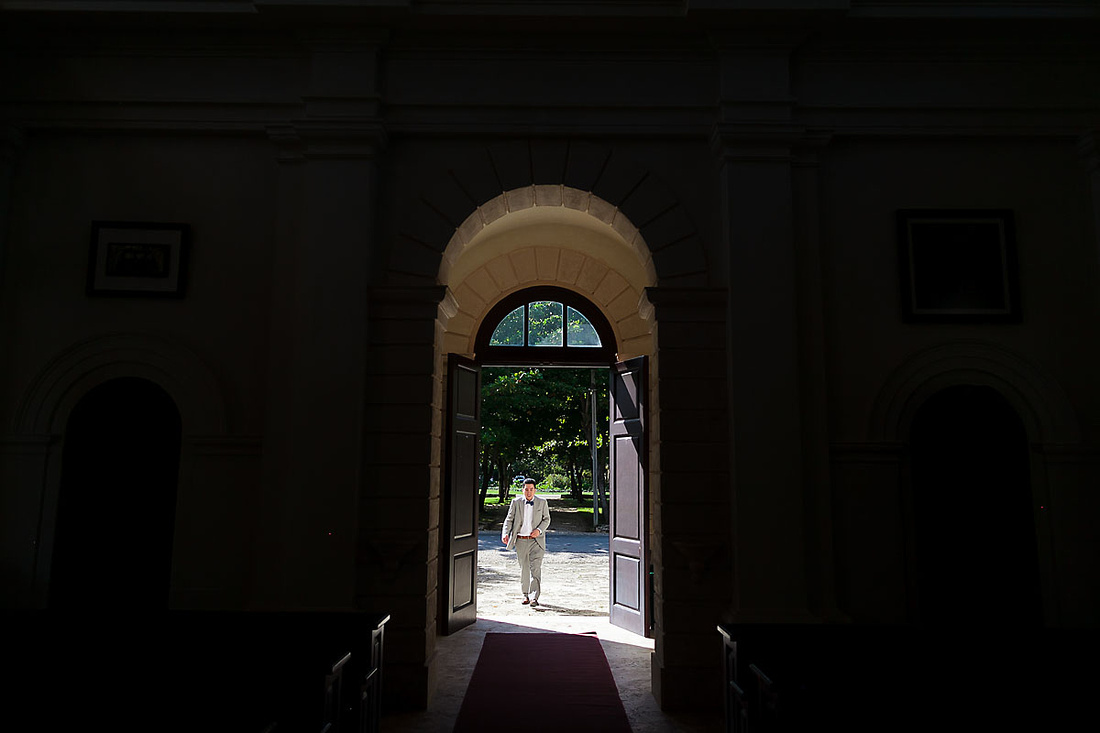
(794, 677)
(262, 672)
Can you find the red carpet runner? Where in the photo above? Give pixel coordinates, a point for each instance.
(541, 682)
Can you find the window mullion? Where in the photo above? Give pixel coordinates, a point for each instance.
(565, 325)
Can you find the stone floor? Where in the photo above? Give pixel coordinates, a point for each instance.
(574, 600)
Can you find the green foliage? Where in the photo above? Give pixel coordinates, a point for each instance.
(546, 324)
(537, 422)
(509, 332)
(555, 482)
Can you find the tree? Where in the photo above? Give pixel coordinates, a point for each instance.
(539, 420)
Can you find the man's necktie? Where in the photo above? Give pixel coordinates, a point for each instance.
(531, 502)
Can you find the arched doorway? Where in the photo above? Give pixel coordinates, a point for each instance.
(117, 500)
(549, 326)
(976, 556)
(601, 266)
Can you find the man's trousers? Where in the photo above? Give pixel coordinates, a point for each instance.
(530, 566)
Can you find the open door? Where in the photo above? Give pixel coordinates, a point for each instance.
(460, 493)
(629, 586)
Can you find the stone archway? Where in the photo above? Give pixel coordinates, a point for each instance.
(479, 189)
(566, 246)
(582, 244)
(482, 228)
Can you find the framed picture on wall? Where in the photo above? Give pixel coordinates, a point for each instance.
(138, 259)
(958, 265)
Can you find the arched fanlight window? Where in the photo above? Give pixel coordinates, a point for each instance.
(545, 325)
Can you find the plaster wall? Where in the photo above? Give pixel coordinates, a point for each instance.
(323, 179)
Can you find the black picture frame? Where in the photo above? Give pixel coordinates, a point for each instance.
(138, 259)
(958, 265)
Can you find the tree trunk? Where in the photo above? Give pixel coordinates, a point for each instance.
(486, 465)
(574, 480)
(504, 483)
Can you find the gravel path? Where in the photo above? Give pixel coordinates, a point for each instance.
(574, 576)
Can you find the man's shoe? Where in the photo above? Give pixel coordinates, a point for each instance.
(528, 600)
(534, 603)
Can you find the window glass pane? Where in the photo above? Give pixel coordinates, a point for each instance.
(581, 330)
(509, 332)
(545, 326)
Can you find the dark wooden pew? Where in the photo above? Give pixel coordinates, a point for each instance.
(240, 672)
(795, 677)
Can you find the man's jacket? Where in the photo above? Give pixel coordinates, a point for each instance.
(540, 520)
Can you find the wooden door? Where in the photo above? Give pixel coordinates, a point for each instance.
(629, 585)
(460, 493)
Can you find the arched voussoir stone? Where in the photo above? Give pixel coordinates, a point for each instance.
(584, 176)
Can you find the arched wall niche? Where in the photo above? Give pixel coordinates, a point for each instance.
(47, 403)
(44, 410)
(1037, 398)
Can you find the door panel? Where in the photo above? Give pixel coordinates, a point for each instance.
(460, 493)
(629, 561)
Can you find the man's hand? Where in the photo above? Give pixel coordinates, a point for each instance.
(504, 539)
(535, 533)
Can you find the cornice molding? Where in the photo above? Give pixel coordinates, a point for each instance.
(328, 140)
(762, 142)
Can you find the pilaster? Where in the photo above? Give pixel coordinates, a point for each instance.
(813, 380)
(327, 167)
(11, 141)
(1089, 148)
(755, 144)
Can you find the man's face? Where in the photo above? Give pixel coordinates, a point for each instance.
(529, 491)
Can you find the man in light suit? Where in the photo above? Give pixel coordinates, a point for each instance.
(525, 529)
